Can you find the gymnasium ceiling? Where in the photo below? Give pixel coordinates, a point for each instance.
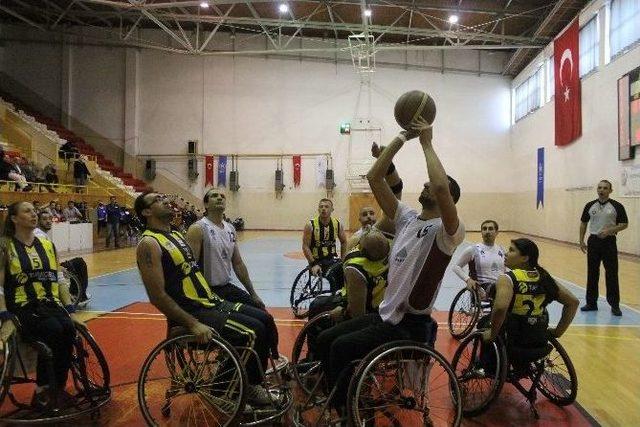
(520, 27)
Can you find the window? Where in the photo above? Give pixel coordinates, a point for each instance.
(624, 27)
(527, 96)
(551, 84)
(589, 46)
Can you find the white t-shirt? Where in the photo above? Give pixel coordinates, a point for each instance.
(218, 244)
(421, 252)
(488, 262)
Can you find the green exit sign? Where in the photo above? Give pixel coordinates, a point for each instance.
(345, 128)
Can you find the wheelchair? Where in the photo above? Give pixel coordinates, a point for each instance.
(88, 381)
(483, 369)
(466, 308)
(399, 383)
(307, 287)
(183, 382)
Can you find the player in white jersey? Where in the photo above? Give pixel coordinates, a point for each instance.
(214, 245)
(485, 260)
(421, 252)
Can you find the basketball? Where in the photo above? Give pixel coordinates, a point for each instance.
(413, 104)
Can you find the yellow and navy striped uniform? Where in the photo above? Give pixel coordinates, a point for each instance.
(375, 273)
(323, 238)
(183, 279)
(32, 273)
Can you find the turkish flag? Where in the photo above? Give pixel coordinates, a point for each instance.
(297, 168)
(566, 64)
(208, 165)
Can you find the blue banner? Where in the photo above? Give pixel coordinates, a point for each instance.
(222, 171)
(540, 192)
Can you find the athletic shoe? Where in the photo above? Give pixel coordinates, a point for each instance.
(616, 311)
(258, 395)
(588, 307)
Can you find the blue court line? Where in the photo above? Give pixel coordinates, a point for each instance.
(272, 275)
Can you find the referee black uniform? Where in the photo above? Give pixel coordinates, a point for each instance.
(600, 216)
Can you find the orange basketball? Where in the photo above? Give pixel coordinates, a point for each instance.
(413, 104)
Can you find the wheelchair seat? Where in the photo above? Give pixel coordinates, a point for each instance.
(528, 354)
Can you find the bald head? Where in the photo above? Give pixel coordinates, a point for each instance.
(374, 245)
(367, 216)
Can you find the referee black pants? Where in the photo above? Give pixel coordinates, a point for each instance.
(49, 323)
(605, 251)
(353, 339)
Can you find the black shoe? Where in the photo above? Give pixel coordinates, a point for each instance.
(588, 307)
(616, 311)
(41, 401)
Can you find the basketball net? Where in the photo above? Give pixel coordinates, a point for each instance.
(363, 55)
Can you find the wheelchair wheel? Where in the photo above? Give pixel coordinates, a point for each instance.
(335, 276)
(6, 365)
(481, 371)
(464, 312)
(404, 383)
(74, 287)
(305, 288)
(559, 382)
(89, 368)
(306, 368)
(186, 383)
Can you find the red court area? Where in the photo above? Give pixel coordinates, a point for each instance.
(129, 335)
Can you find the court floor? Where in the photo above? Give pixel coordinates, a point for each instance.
(603, 348)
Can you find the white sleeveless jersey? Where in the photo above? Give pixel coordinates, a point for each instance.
(218, 244)
(488, 262)
(420, 253)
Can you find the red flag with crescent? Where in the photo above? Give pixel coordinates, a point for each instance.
(566, 62)
(297, 169)
(208, 165)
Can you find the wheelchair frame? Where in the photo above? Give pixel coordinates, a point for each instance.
(91, 396)
(394, 351)
(273, 381)
(306, 288)
(506, 372)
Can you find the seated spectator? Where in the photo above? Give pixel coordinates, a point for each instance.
(56, 211)
(71, 213)
(68, 151)
(12, 172)
(50, 174)
(82, 207)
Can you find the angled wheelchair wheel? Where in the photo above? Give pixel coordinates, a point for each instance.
(559, 381)
(89, 370)
(186, 383)
(464, 312)
(6, 365)
(481, 370)
(305, 289)
(74, 287)
(404, 383)
(305, 365)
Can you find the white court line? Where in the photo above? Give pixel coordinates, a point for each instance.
(112, 273)
(566, 282)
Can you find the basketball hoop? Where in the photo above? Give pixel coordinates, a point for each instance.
(363, 54)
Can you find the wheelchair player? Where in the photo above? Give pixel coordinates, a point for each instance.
(522, 296)
(32, 299)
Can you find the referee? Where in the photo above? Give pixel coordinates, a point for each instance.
(606, 217)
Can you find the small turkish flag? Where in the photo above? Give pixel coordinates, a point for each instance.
(208, 162)
(297, 169)
(566, 64)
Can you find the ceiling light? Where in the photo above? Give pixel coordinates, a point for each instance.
(283, 8)
(204, 5)
(453, 19)
(367, 12)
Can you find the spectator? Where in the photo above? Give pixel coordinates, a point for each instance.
(56, 211)
(80, 173)
(101, 214)
(71, 213)
(37, 206)
(11, 172)
(82, 207)
(50, 174)
(68, 151)
(113, 222)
